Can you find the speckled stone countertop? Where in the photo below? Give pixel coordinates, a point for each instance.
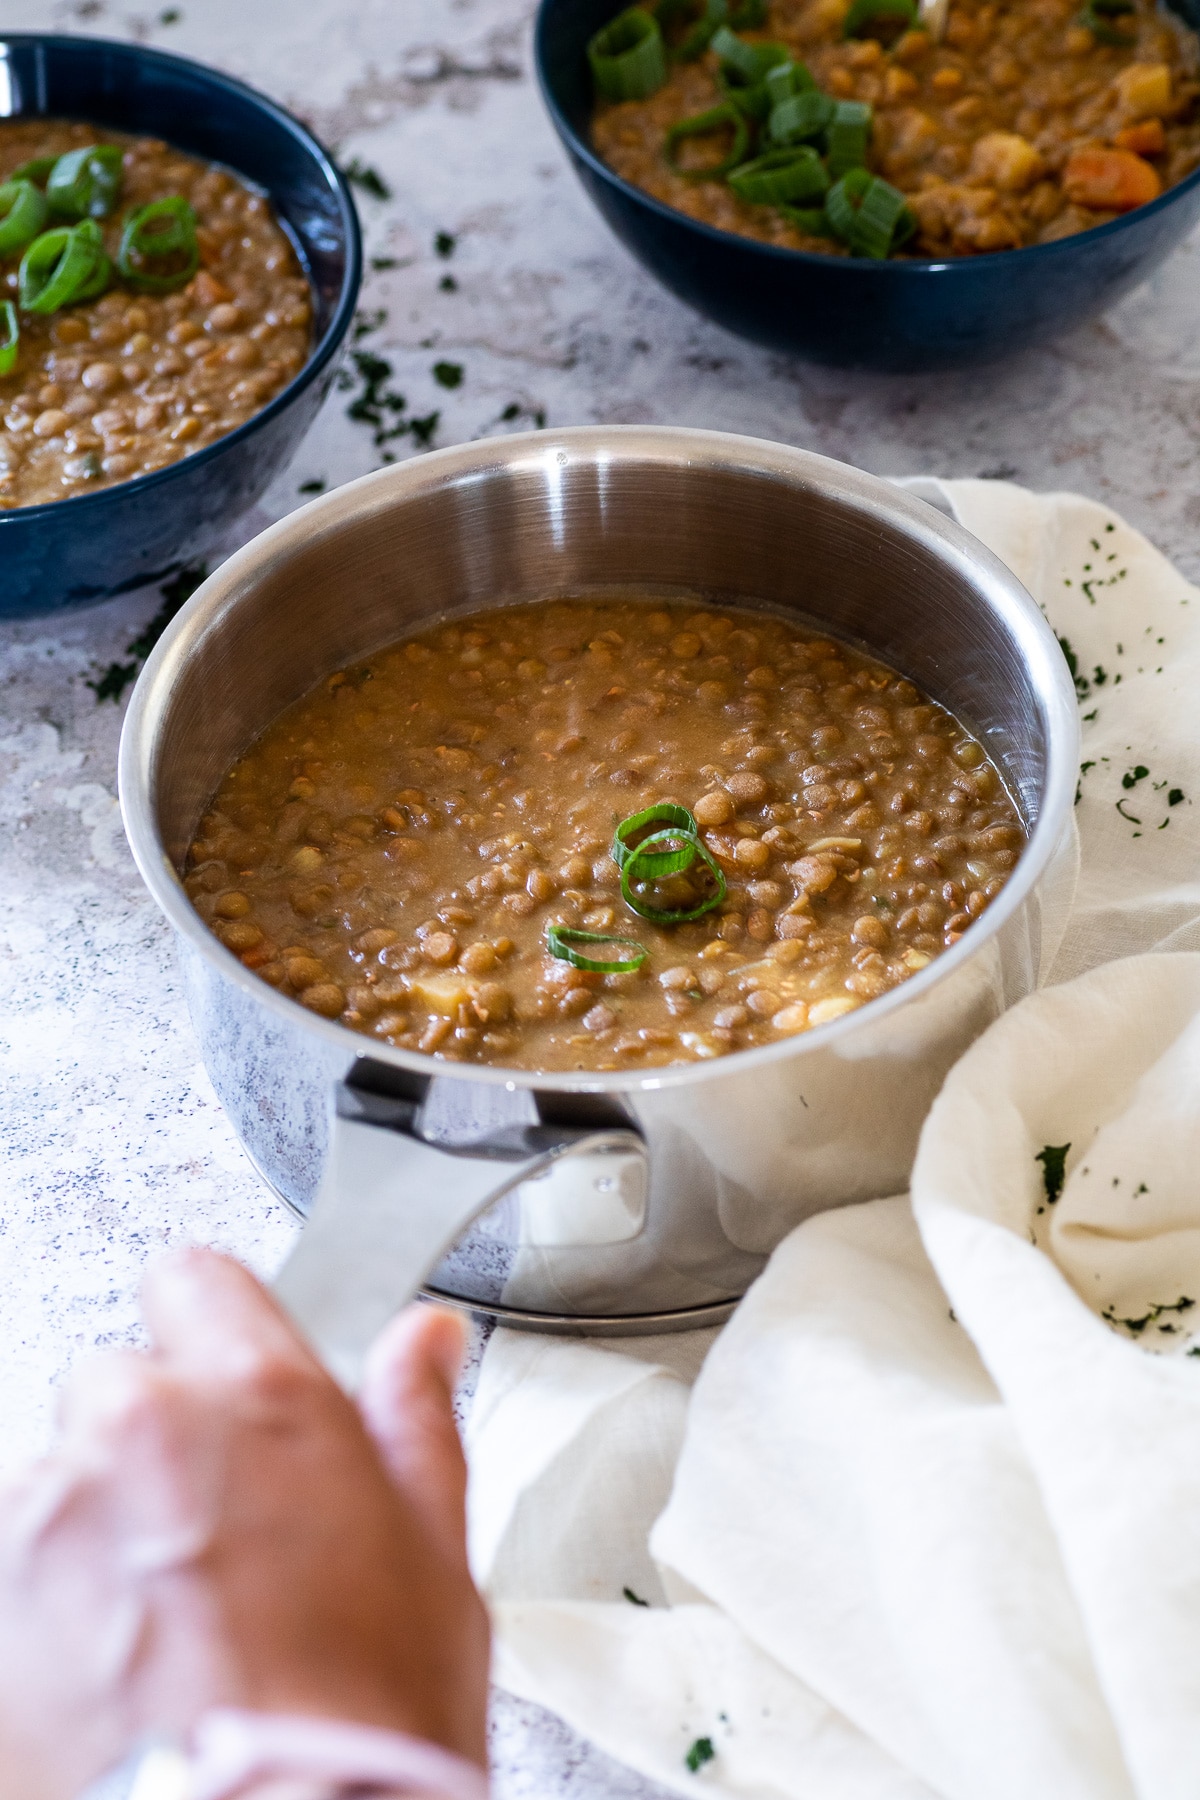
(111, 1141)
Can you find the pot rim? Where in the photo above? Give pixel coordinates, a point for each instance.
(335, 512)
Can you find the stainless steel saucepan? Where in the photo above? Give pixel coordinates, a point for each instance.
(608, 1202)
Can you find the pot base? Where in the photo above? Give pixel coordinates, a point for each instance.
(686, 1318)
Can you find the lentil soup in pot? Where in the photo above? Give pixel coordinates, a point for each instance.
(602, 834)
(150, 303)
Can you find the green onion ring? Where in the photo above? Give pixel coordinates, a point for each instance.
(85, 183)
(161, 230)
(717, 118)
(560, 940)
(780, 177)
(697, 38)
(628, 56)
(787, 79)
(662, 814)
(811, 220)
(847, 137)
(863, 12)
(22, 215)
(646, 851)
(868, 214)
(102, 273)
(61, 266)
(800, 117)
(35, 171)
(11, 341)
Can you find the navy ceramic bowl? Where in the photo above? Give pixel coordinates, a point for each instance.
(87, 548)
(848, 311)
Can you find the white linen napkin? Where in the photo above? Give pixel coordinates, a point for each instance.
(928, 1521)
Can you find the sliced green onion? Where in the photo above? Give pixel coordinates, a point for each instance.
(865, 12)
(707, 124)
(786, 79)
(35, 171)
(84, 184)
(22, 215)
(646, 853)
(11, 341)
(743, 70)
(701, 26)
(734, 54)
(781, 177)
(847, 137)
(801, 117)
(561, 941)
(62, 265)
(159, 250)
(868, 214)
(628, 56)
(811, 220)
(662, 813)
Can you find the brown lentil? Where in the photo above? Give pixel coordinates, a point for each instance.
(125, 384)
(398, 841)
(1017, 128)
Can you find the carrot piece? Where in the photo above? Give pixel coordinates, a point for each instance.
(1146, 138)
(1109, 180)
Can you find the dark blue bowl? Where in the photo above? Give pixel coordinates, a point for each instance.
(75, 552)
(849, 311)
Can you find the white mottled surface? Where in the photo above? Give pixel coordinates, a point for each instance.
(111, 1142)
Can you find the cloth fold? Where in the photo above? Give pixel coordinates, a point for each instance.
(924, 1524)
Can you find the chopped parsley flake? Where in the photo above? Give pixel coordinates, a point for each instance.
(1053, 1158)
(362, 175)
(634, 1599)
(1151, 1316)
(700, 1753)
(1175, 796)
(448, 374)
(444, 243)
(1132, 776)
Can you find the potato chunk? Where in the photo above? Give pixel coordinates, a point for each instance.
(1006, 160)
(1144, 90)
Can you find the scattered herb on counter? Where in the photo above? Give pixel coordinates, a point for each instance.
(634, 1599)
(170, 15)
(362, 175)
(444, 243)
(700, 1753)
(111, 684)
(1083, 686)
(367, 322)
(1153, 1314)
(1175, 797)
(316, 486)
(423, 429)
(380, 263)
(448, 374)
(1132, 776)
(448, 284)
(1053, 1158)
(514, 410)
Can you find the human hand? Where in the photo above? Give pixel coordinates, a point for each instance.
(218, 1525)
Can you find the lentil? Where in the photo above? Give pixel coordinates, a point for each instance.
(394, 847)
(182, 369)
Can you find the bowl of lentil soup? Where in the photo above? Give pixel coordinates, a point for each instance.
(730, 704)
(1028, 178)
(147, 399)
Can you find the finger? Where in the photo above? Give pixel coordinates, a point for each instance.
(101, 1391)
(407, 1403)
(206, 1311)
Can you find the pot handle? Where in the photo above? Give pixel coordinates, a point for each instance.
(391, 1202)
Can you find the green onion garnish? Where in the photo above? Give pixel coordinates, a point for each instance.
(1097, 17)
(781, 177)
(743, 69)
(707, 124)
(84, 184)
(646, 862)
(786, 79)
(847, 137)
(801, 117)
(36, 171)
(10, 342)
(22, 215)
(662, 814)
(868, 214)
(159, 250)
(628, 57)
(700, 26)
(811, 220)
(561, 941)
(865, 12)
(66, 264)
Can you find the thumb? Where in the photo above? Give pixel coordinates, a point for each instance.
(407, 1404)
